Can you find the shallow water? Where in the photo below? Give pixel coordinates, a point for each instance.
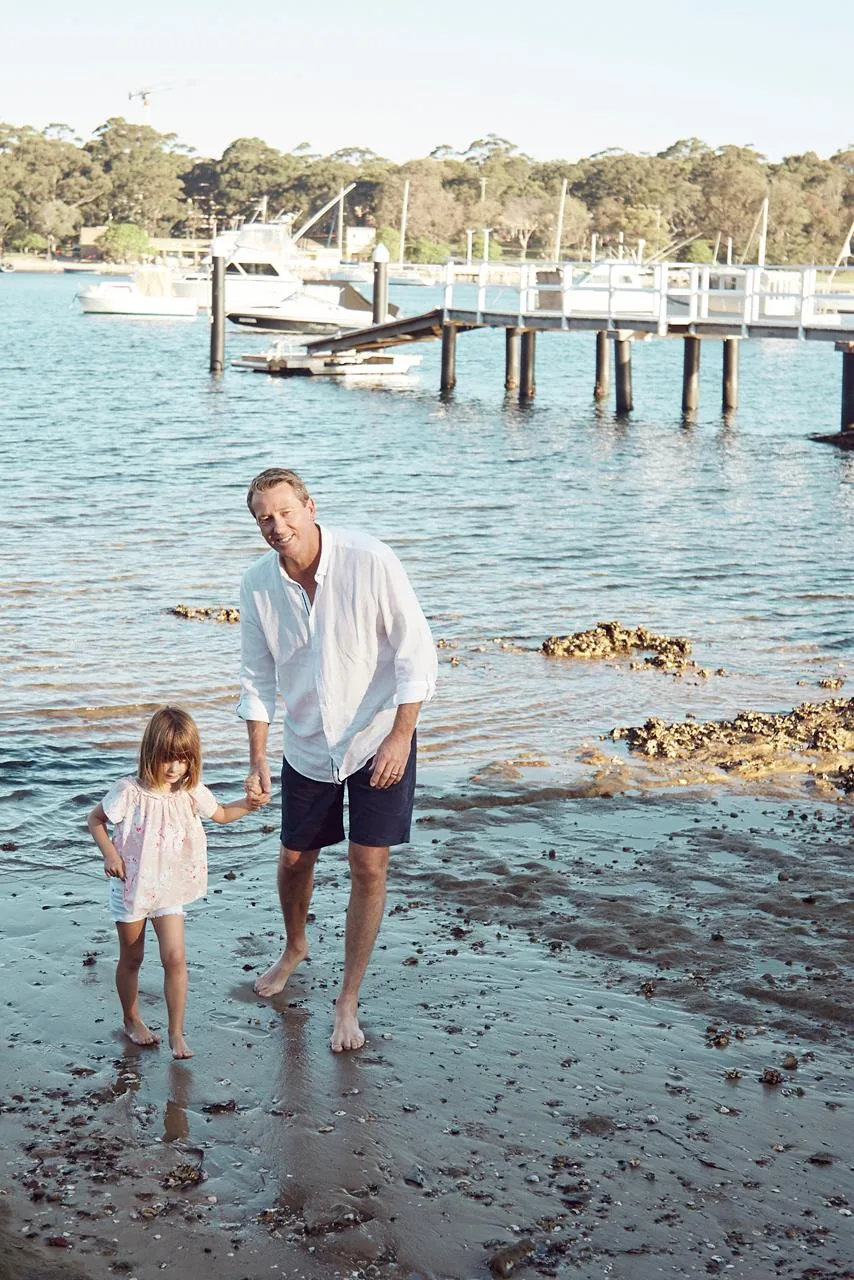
(125, 466)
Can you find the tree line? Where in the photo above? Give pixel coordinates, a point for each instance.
(687, 201)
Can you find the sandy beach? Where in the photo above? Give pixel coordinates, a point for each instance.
(609, 1038)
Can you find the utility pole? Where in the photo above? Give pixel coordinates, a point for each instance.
(559, 230)
(403, 216)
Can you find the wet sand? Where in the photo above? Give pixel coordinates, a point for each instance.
(607, 1036)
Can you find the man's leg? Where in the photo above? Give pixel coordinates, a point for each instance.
(295, 880)
(368, 869)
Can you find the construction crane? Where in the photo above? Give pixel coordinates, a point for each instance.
(143, 94)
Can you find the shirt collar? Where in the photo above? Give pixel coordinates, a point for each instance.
(327, 540)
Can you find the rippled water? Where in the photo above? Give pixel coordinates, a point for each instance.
(125, 467)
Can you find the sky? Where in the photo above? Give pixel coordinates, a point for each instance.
(558, 78)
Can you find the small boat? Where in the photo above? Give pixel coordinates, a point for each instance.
(148, 293)
(316, 307)
(7, 268)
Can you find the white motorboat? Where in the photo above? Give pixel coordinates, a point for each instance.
(148, 293)
(315, 307)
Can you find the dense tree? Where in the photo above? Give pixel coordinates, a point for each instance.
(141, 167)
(124, 242)
(688, 199)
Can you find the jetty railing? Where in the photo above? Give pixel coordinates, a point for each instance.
(659, 297)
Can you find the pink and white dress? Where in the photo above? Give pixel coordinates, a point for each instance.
(162, 841)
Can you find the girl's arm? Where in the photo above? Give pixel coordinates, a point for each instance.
(97, 824)
(238, 808)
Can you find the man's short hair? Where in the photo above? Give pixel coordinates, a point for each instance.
(270, 478)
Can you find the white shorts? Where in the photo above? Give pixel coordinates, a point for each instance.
(119, 912)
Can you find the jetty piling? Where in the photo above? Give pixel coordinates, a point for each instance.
(217, 358)
(623, 371)
(527, 380)
(729, 390)
(691, 375)
(512, 357)
(449, 358)
(602, 386)
(847, 420)
(380, 294)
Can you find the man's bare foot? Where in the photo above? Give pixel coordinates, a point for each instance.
(179, 1046)
(346, 1033)
(136, 1031)
(276, 977)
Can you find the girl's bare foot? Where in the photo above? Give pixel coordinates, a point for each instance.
(276, 977)
(179, 1046)
(346, 1033)
(136, 1031)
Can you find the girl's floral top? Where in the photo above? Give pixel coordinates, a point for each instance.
(162, 841)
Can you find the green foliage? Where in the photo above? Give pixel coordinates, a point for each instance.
(124, 242)
(421, 249)
(27, 242)
(697, 251)
(390, 237)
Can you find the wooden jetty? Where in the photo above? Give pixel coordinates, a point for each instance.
(620, 300)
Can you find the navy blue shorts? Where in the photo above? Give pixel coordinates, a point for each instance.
(313, 812)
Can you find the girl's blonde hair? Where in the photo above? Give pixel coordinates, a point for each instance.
(170, 734)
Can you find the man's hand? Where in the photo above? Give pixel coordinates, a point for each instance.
(390, 760)
(258, 784)
(114, 866)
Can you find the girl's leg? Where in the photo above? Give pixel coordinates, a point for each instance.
(170, 935)
(131, 951)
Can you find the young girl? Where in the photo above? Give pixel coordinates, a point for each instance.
(157, 861)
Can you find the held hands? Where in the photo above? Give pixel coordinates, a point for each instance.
(390, 760)
(258, 787)
(114, 867)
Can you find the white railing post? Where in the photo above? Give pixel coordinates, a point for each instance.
(809, 282)
(660, 277)
(449, 286)
(704, 300)
(748, 297)
(693, 296)
(757, 296)
(482, 273)
(611, 292)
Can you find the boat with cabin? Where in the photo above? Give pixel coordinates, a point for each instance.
(149, 292)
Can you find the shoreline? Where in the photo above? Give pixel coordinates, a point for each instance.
(570, 1013)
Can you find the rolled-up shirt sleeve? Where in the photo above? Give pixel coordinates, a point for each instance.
(257, 664)
(415, 662)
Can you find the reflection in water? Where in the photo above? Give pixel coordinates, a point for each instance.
(176, 1127)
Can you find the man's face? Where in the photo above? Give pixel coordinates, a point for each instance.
(286, 522)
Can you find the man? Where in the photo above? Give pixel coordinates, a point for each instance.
(330, 617)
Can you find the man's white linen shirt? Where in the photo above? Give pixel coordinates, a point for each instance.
(342, 663)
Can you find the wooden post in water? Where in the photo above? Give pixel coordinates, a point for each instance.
(449, 357)
(730, 375)
(602, 389)
(847, 422)
(380, 297)
(512, 352)
(623, 370)
(527, 383)
(217, 362)
(691, 375)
